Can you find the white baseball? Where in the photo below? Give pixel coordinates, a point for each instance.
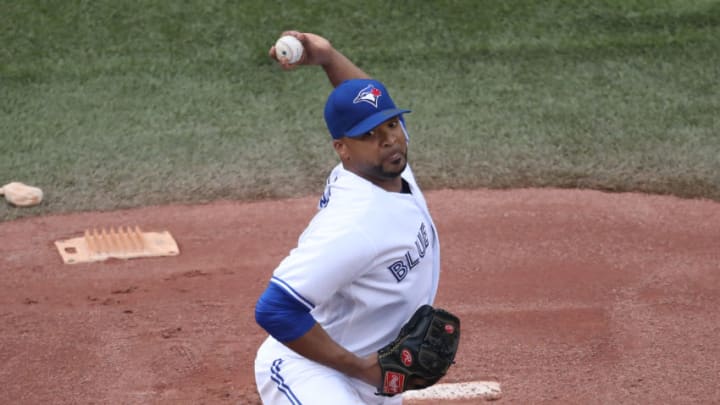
(289, 48)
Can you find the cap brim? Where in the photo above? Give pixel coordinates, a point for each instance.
(374, 120)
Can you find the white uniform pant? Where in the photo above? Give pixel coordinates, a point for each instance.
(285, 378)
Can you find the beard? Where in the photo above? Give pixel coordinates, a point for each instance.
(382, 171)
(390, 170)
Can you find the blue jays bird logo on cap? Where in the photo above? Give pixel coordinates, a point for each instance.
(369, 94)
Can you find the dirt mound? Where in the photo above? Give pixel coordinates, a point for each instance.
(566, 296)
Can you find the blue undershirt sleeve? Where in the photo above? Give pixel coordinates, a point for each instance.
(281, 315)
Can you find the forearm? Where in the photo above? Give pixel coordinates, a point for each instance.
(318, 346)
(289, 321)
(320, 52)
(339, 68)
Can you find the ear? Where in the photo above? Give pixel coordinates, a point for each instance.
(341, 149)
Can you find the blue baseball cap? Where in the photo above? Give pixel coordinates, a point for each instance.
(358, 105)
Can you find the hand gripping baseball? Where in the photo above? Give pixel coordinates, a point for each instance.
(316, 50)
(422, 353)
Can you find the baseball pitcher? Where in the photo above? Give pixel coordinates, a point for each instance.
(349, 311)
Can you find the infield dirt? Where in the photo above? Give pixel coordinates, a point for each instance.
(565, 296)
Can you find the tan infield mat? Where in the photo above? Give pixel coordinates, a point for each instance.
(123, 243)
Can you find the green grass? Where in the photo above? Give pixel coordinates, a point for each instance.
(111, 104)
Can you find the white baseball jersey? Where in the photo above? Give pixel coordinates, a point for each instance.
(366, 261)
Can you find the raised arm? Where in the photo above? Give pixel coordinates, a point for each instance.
(319, 51)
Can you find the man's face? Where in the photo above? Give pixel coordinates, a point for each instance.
(379, 155)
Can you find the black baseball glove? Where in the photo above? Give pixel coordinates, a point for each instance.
(422, 353)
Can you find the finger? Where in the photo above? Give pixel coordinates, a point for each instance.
(282, 61)
(296, 34)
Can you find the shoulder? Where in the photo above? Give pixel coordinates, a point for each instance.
(346, 191)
